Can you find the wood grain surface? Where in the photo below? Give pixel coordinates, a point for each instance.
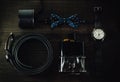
(9, 23)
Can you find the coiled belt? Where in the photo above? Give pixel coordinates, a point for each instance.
(13, 46)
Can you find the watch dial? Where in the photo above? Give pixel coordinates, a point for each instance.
(98, 34)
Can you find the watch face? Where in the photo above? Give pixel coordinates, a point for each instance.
(98, 34)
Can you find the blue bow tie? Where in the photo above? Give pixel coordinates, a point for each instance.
(72, 21)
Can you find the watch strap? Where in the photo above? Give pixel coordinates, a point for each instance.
(98, 58)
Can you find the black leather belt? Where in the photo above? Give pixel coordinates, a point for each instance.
(14, 44)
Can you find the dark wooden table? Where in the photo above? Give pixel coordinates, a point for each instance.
(9, 23)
